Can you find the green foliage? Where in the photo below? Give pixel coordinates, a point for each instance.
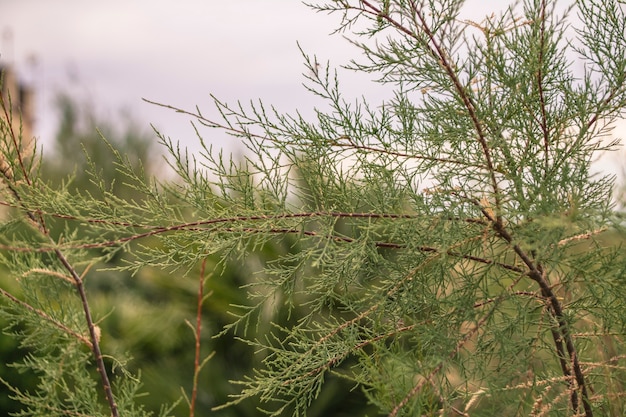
(448, 251)
(143, 316)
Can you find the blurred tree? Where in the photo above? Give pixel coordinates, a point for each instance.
(83, 141)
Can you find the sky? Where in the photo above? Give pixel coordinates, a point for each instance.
(113, 53)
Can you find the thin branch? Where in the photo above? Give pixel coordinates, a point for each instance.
(211, 123)
(374, 307)
(436, 51)
(332, 142)
(8, 116)
(560, 334)
(197, 334)
(38, 220)
(352, 145)
(582, 236)
(93, 332)
(194, 227)
(46, 317)
(339, 357)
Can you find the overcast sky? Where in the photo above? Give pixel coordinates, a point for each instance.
(113, 53)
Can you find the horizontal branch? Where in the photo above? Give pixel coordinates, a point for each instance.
(196, 227)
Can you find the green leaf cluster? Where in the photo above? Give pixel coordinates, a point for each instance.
(447, 251)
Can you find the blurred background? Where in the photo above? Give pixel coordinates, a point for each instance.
(86, 65)
(110, 55)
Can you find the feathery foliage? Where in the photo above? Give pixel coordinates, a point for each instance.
(449, 251)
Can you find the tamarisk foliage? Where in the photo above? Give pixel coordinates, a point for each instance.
(451, 250)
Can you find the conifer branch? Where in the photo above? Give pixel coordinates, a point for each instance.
(38, 220)
(560, 333)
(336, 142)
(46, 317)
(438, 53)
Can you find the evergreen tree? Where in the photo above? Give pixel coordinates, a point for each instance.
(450, 250)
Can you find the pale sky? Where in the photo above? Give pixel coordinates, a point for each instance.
(114, 52)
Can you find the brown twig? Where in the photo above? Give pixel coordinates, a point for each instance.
(38, 220)
(15, 139)
(196, 226)
(94, 334)
(197, 334)
(435, 49)
(46, 317)
(560, 333)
